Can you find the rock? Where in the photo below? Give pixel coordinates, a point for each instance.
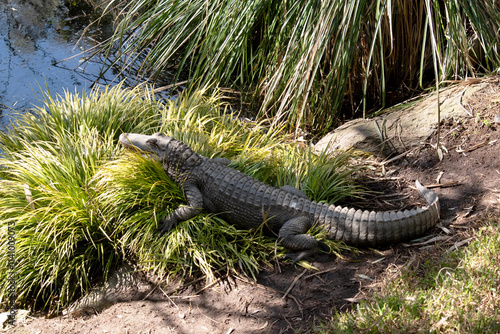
(496, 119)
(400, 128)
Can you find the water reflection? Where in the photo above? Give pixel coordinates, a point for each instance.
(36, 36)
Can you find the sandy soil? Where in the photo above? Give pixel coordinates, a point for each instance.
(289, 299)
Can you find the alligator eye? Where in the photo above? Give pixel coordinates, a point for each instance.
(152, 142)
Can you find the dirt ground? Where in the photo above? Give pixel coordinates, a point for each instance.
(290, 299)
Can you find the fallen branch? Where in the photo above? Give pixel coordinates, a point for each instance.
(472, 148)
(459, 244)
(427, 242)
(295, 280)
(443, 185)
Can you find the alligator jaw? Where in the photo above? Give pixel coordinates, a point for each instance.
(139, 143)
(135, 141)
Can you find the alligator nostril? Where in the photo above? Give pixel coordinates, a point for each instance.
(152, 142)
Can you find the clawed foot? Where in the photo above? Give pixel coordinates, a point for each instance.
(324, 247)
(167, 224)
(296, 257)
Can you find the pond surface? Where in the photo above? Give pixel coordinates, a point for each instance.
(40, 48)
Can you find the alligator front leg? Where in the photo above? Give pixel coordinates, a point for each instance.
(293, 235)
(195, 204)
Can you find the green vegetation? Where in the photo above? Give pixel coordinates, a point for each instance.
(62, 244)
(301, 60)
(450, 291)
(81, 207)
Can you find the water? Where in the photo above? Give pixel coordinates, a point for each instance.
(37, 38)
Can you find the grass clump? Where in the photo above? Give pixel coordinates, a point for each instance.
(62, 241)
(137, 193)
(80, 206)
(453, 293)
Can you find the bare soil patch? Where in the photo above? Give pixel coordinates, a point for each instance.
(289, 299)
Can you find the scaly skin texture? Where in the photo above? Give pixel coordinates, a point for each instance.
(246, 202)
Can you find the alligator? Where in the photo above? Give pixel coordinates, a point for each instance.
(288, 213)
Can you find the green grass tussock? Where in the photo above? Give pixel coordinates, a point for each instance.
(137, 193)
(81, 206)
(50, 157)
(453, 293)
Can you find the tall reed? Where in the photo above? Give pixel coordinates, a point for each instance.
(307, 63)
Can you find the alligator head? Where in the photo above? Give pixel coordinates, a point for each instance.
(176, 157)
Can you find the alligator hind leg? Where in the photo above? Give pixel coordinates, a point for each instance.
(293, 235)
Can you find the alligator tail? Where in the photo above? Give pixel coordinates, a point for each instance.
(371, 228)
